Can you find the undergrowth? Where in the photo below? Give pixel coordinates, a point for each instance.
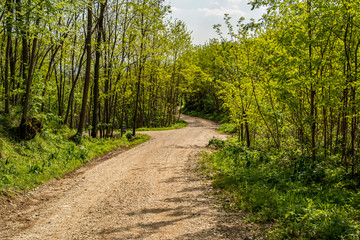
(227, 128)
(301, 199)
(27, 164)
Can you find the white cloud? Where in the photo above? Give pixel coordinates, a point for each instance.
(201, 15)
(221, 11)
(175, 9)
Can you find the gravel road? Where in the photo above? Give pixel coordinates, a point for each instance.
(148, 192)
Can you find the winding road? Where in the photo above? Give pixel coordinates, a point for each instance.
(148, 192)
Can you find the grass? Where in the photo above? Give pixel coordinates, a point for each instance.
(180, 124)
(298, 198)
(27, 164)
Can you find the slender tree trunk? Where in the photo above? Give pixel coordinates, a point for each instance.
(354, 111)
(48, 75)
(59, 84)
(8, 54)
(94, 129)
(72, 91)
(138, 83)
(331, 130)
(312, 89)
(247, 129)
(325, 131)
(25, 46)
(29, 83)
(137, 99)
(87, 73)
(347, 73)
(13, 58)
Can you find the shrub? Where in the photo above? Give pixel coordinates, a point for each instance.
(129, 136)
(216, 143)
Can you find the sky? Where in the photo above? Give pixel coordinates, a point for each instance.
(201, 15)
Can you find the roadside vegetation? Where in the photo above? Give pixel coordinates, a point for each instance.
(26, 164)
(299, 200)
(229, 128)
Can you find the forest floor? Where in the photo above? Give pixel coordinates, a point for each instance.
(152, 191)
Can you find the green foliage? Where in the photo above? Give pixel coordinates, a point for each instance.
(216, 143)
(302, 200)
(228, 128)
(129, 136)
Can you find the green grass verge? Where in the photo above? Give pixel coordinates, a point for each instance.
(25, 165)
(178, 125)
(298, 198)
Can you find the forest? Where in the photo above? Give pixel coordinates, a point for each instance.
(285, 87)
(121, 58)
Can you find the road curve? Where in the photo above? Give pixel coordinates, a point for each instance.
(148, 192)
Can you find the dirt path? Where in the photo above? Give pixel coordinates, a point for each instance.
(148, 192)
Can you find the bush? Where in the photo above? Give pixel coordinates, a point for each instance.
(216, 143)
(129, 136)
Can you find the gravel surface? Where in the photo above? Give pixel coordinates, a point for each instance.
(148, 192)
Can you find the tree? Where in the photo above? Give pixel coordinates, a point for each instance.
(87, 72)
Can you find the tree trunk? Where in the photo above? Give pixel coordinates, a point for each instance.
(87, 73)
(8, 54)
(312, 89)
(94, 129)
(28, 84)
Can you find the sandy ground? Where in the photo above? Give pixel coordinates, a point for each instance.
(148, 192)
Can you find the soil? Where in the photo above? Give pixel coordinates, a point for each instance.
(148, 192)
